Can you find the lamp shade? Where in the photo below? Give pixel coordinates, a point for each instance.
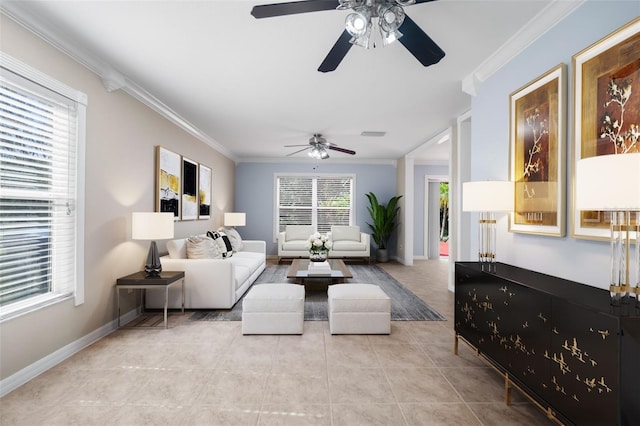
(235, 219)
(151, 226)
(608, 182)
(487, 196)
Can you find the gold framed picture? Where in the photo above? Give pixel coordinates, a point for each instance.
(606, 111)
(537, 150)
(204, 192)
(168, 177)
(189, 189)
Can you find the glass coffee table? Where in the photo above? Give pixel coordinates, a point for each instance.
(299, 270)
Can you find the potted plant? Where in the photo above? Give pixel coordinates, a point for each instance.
(384, 223)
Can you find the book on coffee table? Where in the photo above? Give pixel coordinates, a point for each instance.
(319, 268)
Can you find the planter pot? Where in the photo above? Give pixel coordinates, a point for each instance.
(382, 255)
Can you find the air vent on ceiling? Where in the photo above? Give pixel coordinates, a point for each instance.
(372, 133)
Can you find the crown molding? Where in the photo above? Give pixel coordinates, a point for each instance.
(111, 78)
(298, 160)
(546, 19)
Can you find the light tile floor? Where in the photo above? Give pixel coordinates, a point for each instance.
(207, 373)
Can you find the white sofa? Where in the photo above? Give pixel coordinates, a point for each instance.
(348, 242)
(210, 283)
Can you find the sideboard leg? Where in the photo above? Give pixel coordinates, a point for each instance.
(507, 390)
(455, 343)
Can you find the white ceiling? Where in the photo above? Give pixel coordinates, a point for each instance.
(251, 86)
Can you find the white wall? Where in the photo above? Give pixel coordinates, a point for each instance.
(579, 260)
(120, 169)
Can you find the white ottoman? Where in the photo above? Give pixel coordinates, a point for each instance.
(358, 309)
(273, 309)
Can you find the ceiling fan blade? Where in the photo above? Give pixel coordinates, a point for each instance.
(419, 44)
(337, 53)
(300, 150)
(337, 148)
(423, 1)
(291, 8)
(293, 146)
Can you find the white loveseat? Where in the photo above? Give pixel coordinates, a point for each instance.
(348, 242)
(210, 283)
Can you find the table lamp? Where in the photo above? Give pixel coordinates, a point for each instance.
(488, 198)
(612, 183)
(235, 219)
(152, 226)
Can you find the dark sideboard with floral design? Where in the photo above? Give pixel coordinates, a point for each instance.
(560, 341)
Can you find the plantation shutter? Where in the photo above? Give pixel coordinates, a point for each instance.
(295, 202)
(334, 202)
(39, 131)
(320, 201)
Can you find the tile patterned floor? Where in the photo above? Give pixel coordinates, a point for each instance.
(207, 373)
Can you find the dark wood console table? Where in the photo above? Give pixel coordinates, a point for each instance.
(560, 342)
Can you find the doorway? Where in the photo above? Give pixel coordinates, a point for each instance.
(436, 226)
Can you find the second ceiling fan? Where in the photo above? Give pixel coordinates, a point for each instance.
(387, 15)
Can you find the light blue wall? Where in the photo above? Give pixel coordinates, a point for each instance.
(419, 173)
(255, 192)
(580, 260)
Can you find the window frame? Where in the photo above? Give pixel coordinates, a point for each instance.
(314, 208)
(55, 89)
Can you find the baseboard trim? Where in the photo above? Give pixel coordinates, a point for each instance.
(32, 371)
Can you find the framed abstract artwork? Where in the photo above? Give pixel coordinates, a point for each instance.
(168, 182)
(537, 151)
(204, 192)
(606, 111)
(189, 189)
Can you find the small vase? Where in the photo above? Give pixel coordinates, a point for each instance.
(318, 256)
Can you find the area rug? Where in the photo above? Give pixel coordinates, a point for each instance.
(405, 306)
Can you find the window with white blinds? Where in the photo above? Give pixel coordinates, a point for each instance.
(41, 217)
(315, 200)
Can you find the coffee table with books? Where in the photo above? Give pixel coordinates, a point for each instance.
(299, 270)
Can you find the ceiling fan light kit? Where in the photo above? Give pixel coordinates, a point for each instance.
(387, 15)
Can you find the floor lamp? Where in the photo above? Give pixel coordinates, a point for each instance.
(488, 198)
(152, 226)
(611, 183)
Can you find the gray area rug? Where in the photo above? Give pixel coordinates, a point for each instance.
(405, 306)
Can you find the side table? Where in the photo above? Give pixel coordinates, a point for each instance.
(140, 281)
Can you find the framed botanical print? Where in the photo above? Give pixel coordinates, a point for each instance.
(606, 111)
(189, 189)
(204, 192)
(168, 182)
(537, 128)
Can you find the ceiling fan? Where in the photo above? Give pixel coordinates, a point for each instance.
(319, 146)
(387, 15)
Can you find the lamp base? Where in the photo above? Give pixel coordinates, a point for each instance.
(153, 266)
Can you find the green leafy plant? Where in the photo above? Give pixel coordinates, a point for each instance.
(384, 219)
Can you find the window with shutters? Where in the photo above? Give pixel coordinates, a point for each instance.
(41, 176)
(315, 200)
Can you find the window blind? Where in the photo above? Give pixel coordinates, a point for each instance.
(39, 228)
(320, 201)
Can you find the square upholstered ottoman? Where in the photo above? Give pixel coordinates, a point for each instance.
(273, 309)
(358, 309)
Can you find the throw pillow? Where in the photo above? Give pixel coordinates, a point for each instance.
(345, 233)
(234, 237)
(199, 247)
(224, 246)
(298, 232)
